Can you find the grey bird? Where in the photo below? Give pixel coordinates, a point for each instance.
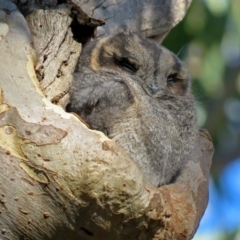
(139, 94)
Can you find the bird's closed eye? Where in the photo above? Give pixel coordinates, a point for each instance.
(126, 65)
(177, 84)
(172, 78)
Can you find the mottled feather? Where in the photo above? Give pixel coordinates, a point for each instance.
(138, 94)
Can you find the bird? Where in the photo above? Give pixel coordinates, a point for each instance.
(138, 93)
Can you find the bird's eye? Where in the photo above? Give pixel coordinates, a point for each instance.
(126, 65)
(177, 84)
(172, 78)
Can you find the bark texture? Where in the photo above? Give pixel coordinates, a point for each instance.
(60, 180)
(153, 18)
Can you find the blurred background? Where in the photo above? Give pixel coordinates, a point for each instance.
(208, 41)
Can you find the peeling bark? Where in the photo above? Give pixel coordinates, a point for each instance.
(60, 180)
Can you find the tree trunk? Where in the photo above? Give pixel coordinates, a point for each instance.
(59, 179)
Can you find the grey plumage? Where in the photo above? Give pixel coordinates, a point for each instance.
(138, 94)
